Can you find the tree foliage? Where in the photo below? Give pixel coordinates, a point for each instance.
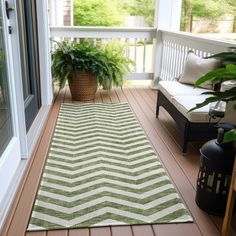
(96, 13)
(144, 8)
(231, 7)
(111, 12)
(208, 9)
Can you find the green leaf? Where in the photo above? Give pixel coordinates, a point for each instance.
(231, 67)
(230, 136)
(106, 62)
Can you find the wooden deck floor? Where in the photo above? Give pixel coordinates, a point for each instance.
(165, 139)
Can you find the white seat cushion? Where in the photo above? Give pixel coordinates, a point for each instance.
(185, 103)
(174, 88)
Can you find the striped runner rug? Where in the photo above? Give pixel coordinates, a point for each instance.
(101, 170)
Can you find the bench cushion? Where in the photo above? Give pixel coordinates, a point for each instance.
(185, 103)
(174, 88)
(195, 67)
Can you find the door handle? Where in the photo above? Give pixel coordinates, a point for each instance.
(8, 9)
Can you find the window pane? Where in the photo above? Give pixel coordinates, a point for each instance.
(5, 111)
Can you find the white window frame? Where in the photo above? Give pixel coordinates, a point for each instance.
(12, 163)
(29, 140)
(11, 156)
(45, 74)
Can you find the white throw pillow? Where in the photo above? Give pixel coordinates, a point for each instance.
(196, 67)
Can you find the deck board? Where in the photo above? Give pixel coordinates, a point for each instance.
(143, 230)
(166, 140)
(36, 233)
(79, 232)
(176, 230)
(105, 96)
(58, 233)
(121, 231)
(101, 231)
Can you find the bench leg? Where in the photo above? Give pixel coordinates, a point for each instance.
(157, 110)
(184, 148)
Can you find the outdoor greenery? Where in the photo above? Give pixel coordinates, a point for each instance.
(96, 13)
(144, 8)
(74, 56)
(119, 65)
(111, 13)
(207, 9)
(105, 62)
(226, 73)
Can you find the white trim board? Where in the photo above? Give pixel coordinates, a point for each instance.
(11, 157)
(36, 128)
(7, 202)
(12, 167)
(9, 196)
(44, 52)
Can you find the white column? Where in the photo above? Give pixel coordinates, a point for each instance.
(72, 12)
(167, 17)
(56, 12)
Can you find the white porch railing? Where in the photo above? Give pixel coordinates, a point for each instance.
(172, 49)
(157, 54)
(139, 40)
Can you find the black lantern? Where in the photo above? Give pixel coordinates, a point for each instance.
(216, 164)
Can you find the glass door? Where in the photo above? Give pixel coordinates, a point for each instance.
(30, 58)
(6, 129)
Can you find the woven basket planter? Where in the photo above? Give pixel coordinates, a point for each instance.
(83, 85)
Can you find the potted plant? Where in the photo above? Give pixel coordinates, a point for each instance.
(119, 65)
(227, 72)
(85, 65)
(79, 64)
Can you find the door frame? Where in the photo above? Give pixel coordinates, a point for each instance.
(15, 158)
(11, 157)
(28, 140)
(46, 82)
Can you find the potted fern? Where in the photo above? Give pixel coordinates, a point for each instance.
(119, 65)
(85, 65)
(80, 65)
(227, 72)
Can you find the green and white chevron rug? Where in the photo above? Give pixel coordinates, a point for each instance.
(101, 170)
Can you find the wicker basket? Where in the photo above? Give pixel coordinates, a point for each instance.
(83, 85)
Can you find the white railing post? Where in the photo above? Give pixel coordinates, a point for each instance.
(167, 16)
(175, 47)
(157, 59)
